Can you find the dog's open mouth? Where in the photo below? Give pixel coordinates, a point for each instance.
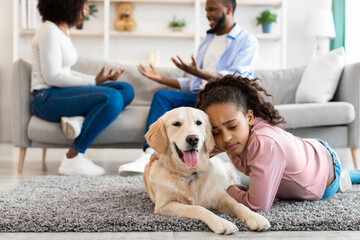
(190, 157)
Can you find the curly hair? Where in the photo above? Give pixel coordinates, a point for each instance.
(245, 93)
(59, 11)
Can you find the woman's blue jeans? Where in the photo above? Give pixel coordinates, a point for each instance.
(165, 100)
(100, 105)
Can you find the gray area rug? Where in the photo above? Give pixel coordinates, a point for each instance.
(120, 204)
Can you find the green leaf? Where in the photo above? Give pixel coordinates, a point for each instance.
(91, 12)
(266, 17)
(177, 23)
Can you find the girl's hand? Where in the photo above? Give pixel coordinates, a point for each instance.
(101, 77)
(237, 187)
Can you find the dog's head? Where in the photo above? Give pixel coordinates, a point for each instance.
(184, 134)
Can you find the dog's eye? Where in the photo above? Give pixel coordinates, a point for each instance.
(177, 124)
(198, 122)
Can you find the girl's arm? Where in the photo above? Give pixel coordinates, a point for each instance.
(267, 165)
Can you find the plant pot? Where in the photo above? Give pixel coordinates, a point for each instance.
(176, 29)
(266, 27)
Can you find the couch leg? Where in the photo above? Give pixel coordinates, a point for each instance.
(354, 156)
(44, 155)
(21, 159)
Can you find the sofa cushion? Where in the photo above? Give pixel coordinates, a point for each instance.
(321, 77)
(128, 127)
(144, 88)
(317, 114)
(281, 84)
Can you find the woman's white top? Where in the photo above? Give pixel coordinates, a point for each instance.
(53, 56)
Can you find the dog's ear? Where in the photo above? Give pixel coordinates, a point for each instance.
(156, 136)
(209, 140)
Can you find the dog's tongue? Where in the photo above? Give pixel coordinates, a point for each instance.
(191, 158)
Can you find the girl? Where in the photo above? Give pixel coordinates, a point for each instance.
(278, 163)
(58, 92)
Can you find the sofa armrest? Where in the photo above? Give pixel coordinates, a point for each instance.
(349, 91)
(20, 103)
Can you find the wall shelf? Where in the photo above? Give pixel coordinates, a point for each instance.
(73, 32)
(106, 37)
(255, 3)
(268, 36)
(182, 2)
(180, 35)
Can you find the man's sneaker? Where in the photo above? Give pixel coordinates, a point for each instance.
(80, 165)
(71, 126)
(138, 166)
(345, 181)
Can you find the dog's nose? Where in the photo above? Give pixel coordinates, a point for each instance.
(192, 140)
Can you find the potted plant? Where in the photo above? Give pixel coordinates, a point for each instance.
(90, 13)
(177, 25)
(266, 18)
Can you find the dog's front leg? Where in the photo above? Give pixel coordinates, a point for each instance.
(253, 220)
(216, 223)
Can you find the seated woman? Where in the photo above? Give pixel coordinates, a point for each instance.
(58, 92)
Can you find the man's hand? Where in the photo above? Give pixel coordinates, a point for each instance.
(101, 77)
(153, 74)
(194, 69)
(191, 68)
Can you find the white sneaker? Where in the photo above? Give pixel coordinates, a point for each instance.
(80, 165)
(71, 126)
(345, 181)
(138, 166)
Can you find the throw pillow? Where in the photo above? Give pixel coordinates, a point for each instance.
(321, 77)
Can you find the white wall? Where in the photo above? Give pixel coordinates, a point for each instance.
(5, 68)
(300, 47)
(299, 50)
(352, 31)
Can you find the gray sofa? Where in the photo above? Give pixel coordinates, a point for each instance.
(337, 121)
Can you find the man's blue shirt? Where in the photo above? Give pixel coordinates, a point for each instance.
(240, 55)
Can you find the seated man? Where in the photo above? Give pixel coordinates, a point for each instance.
(225, 50)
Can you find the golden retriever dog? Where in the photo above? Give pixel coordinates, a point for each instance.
(184, 182)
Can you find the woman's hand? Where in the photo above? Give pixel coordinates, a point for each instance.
(113, 76)
(153, 74)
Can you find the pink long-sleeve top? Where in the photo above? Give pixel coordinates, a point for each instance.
(281, 166)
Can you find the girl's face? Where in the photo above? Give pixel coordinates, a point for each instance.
(230, 127)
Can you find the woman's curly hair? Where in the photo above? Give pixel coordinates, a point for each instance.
(58, 11)
(245, 93)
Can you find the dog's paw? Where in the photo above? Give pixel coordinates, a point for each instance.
(257, 222)
(222, 226)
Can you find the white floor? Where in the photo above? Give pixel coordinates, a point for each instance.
(111, 159)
